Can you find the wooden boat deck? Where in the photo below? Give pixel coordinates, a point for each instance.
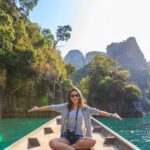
(106, 139)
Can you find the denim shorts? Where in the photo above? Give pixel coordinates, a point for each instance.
(73, 140)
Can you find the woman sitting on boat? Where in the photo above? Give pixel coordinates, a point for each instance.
(72, 115)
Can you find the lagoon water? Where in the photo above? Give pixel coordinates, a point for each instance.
(136, 130)
(13, 129)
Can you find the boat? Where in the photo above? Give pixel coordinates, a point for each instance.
(106, 139)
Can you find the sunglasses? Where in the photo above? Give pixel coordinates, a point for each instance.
(75, 95)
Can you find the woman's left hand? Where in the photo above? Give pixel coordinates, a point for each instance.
(116, 116)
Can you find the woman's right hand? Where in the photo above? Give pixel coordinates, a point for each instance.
(33, 109)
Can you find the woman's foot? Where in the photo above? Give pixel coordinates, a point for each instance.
(85, 143)
(60, 144)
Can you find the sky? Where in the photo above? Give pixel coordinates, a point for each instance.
(96, 23)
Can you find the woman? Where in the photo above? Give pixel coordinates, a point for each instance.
(72, 115)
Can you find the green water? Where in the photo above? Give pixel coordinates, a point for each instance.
(13, 129)
(136, 130)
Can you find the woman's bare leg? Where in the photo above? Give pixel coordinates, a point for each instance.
(60, 144)
(84, 143)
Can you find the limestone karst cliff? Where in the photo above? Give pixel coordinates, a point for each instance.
(130, 57)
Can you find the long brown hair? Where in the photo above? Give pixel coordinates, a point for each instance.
(82, 101)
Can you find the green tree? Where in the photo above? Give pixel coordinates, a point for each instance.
(31, 72)
(106, 86)
(63, 34)
(6, 33)
(27, 5)
(70, 70)
(84, 86)
(49, 38)
(35, 35)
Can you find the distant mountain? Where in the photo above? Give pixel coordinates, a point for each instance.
(76, 58)
(90, 55)
(127, 53)
(81, 73)
(130, 57)
(149, 64)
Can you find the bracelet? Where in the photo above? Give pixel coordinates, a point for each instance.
(35, 107)
(111, 115)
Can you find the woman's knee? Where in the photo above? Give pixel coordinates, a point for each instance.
(93, 142)
(90, 142)
(53, 143)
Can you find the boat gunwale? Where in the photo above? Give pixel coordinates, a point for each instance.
(35, 130)
(125, 141)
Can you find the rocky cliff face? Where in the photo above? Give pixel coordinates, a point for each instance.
(149, 64)
(90, 55)
(76, 58)
(130, 57)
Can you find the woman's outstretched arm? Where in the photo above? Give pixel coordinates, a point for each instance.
(106, 114)
(95, 111)
(54, 107)
(43, 108)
